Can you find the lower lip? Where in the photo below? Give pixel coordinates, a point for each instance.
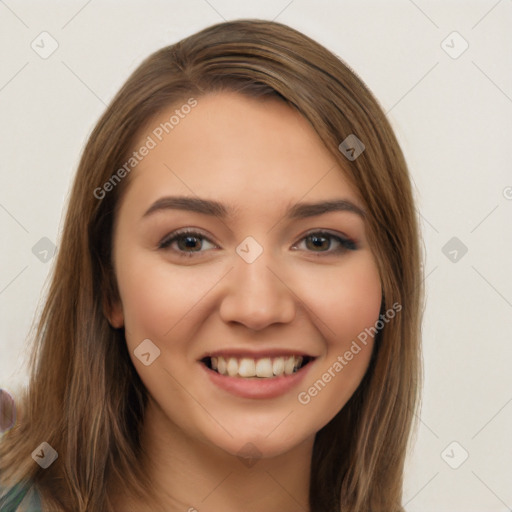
(257, 387)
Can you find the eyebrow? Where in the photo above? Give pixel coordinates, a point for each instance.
(215, 208)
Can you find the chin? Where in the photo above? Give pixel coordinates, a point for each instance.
(257, 445)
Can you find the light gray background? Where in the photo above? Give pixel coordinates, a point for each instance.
(453, 117)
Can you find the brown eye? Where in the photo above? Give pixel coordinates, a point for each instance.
(188, 242)
(321, 241)
(318, 242)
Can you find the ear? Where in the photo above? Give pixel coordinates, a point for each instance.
(114, 314)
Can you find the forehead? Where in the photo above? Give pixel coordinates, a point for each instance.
(241, 151)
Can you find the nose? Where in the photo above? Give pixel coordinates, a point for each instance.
(256, 295)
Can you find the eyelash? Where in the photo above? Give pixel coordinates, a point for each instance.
(346, 244)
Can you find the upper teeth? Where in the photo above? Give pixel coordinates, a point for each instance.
(248, 367)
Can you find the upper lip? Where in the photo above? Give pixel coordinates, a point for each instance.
(255, 354)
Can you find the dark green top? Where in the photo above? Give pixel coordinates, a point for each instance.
(12, 498)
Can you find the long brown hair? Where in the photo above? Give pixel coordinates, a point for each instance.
(85, 397)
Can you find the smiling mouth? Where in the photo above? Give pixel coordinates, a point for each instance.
(261, 368)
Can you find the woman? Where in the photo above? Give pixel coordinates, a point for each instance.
(196, 350)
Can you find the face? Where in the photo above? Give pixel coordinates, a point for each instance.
(250, 311)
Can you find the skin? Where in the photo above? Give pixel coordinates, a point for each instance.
(260, 157)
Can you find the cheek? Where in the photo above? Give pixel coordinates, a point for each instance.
(160, 299)
(145, 299)
(346, 300)
(346, 311)
(358, 303)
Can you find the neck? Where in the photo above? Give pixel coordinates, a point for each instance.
(190, 475)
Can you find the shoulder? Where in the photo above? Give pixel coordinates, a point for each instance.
(21, 497)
